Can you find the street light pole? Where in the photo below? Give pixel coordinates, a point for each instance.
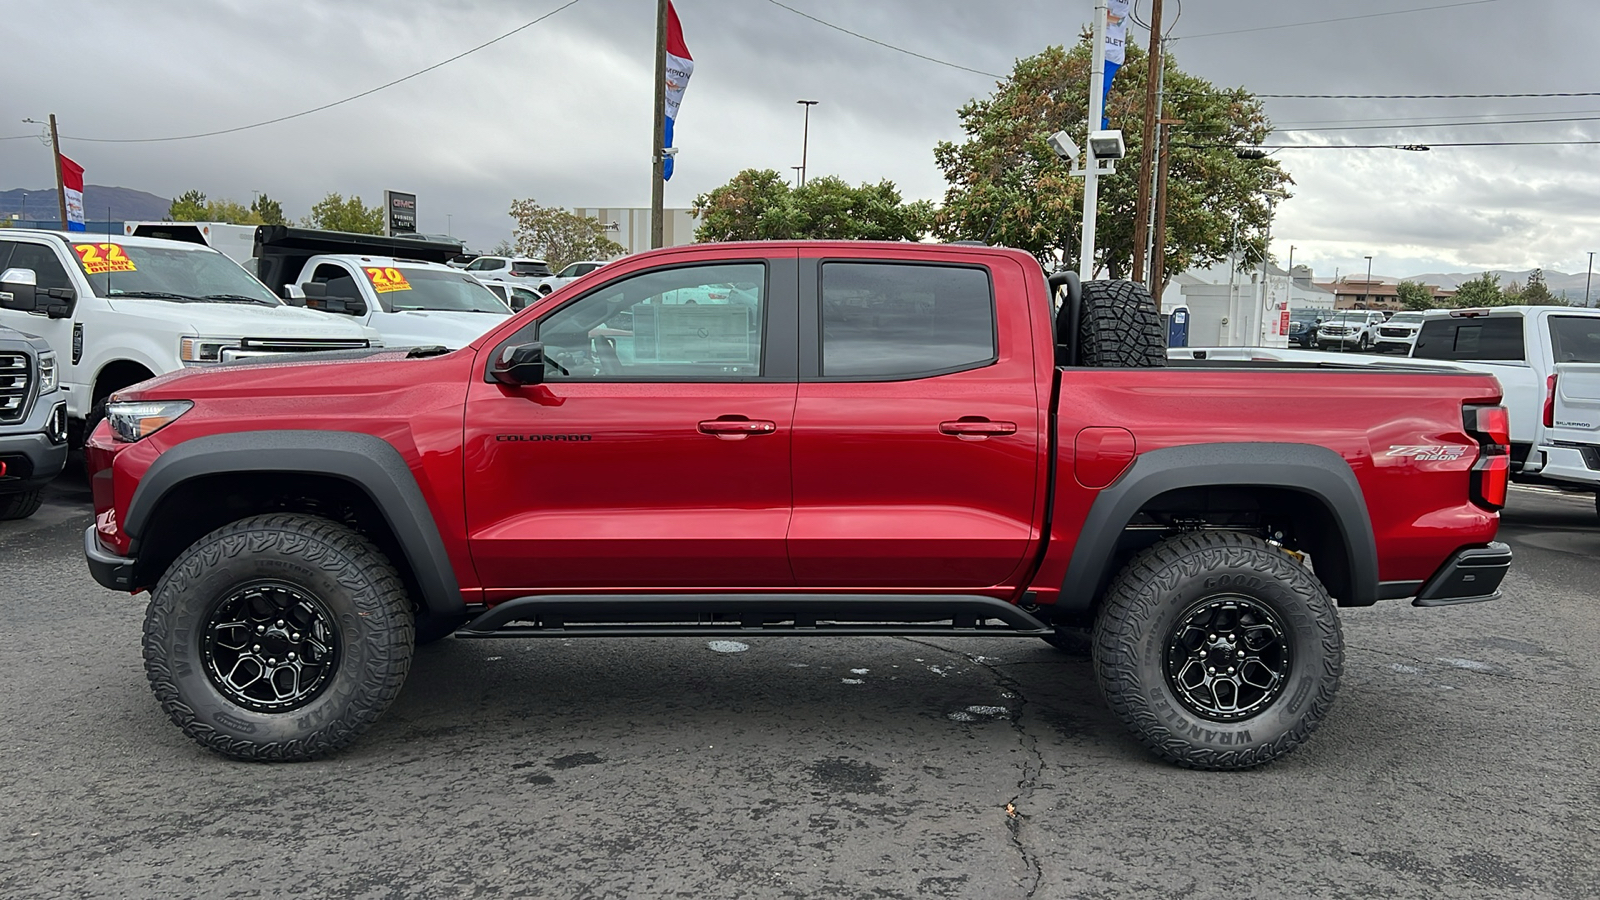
(797, 174)
(1366, 288)
(1091, 175)
(805, 137)
(1588, 279)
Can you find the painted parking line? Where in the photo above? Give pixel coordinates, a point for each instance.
(1553, 492)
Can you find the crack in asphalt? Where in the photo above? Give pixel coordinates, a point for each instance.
(1028, 782)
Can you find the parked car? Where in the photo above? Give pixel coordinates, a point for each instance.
(1303, 326)
(510, 269)
(1547, 359)
(33, 413)
(1398, 333)
(570, 273)
(518, 298)
(894, 438)
(1349, 329)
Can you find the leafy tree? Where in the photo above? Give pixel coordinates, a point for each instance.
(1415, 295)
(559, 237)
(335, 213)
(189, 207)
(504, 248)
(1007, 187)
(1537, 293)
(758, 205)
(268, 210)
(1481, 291)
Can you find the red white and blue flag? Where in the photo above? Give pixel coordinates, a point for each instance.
(1116, 48)
(72, 186)
(680, 65)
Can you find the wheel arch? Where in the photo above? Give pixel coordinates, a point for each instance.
(1346, 554)
(116, 374)
(206, 482)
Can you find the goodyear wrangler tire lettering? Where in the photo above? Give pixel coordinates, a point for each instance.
(1218, 650)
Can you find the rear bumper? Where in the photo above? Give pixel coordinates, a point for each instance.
(1575, 464)
(1471, 575)
(111, 571)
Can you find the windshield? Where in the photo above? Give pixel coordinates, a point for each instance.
(432, 289)
(1405, 319)
(168, 273)
(1346, 319)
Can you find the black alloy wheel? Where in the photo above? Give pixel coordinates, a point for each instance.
(269, 646)
(1228, 657)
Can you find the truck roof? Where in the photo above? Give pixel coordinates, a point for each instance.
(84, 237)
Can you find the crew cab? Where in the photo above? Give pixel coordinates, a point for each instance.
(118, 309)
(398, 286)
(33, 415)
(1547, 359)
(793, 438)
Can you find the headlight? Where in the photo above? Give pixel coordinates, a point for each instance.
(195, 351)
(48, 379)
(135, 420)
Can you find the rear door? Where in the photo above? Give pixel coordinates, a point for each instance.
(918, 432)
(657, 453)
(1575, 346)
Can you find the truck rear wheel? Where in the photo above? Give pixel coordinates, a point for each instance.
(278, 637)
(1218, 650)
(1120, 327)
(20, 506)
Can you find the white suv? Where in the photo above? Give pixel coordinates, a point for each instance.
(522, 270)
(1351, 328)
(1399, 333)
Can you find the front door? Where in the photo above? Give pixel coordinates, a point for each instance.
(918, 432)
(61, 333)
(657, 452)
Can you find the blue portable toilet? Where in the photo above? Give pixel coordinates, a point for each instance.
(1178, 327)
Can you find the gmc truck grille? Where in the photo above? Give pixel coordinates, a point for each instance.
(16, 380)
(1395, 332)
(250, 348)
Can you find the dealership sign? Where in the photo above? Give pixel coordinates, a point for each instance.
(402, 212)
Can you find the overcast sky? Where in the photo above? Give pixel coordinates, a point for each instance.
(561, 112)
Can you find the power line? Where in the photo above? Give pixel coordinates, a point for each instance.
(1395, 12)
(315, 109)
(1587, 118)
(1417, 146)
(873, 40)
(1426, 96)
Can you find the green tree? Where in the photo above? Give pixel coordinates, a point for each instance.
(1007, 187)
(1481, 291)
(1537, 293)
(189, 207)
(335, 213)
(1415, 295)
(559, 237)
(758, 205)
(268, 210)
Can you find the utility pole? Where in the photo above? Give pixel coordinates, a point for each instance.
(1158, 246)
(1147, 149)
(658, 180)
(1091, 177)
(1366, 287)
(805, 137)
(1588, 279)
(61, 186)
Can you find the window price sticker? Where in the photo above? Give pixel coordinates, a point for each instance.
(98, 259)
(386, 281)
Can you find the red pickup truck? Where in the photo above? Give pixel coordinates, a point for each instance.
(793, 439)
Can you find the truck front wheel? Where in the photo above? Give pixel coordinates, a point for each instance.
(278, 637)
(1218, 650)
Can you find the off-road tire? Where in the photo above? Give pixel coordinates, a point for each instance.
(20, 506)
(1159, 589)
(1120, 327)
(353, 581)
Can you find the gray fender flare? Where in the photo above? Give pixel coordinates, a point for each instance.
(1309, 469)
(368, 462)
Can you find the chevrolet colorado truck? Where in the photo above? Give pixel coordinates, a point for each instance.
(33, 415)
(793, 438)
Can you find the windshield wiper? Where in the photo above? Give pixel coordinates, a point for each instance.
(237, 298)
(157, 295)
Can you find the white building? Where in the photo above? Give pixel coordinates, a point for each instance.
(1231, 307)
(630, 226)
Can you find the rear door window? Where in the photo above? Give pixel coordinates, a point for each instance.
(1492, 338)
(1575, 338)
(885, 320)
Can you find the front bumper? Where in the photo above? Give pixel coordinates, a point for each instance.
(1470, 575)
(32, 460)
(111, 571)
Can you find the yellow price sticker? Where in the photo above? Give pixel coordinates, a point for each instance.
(98, 259)
(387, 280)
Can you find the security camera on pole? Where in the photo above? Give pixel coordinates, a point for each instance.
(1105, 144)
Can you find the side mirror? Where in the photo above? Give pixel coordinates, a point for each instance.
(19, 290)
(519, 365)
(316, 295)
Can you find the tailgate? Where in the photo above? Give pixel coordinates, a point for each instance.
(1577, 403)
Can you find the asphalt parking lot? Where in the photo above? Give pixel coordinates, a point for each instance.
(1460, 761)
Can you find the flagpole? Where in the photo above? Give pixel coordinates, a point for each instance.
(658, 181)
(61, 186)
(1091, 178)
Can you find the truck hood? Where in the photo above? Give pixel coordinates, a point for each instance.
(241, 320)
(423, 328)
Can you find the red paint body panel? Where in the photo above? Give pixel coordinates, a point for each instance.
(856, 485)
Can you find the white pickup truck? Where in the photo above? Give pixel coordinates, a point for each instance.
(117, 310)
(1548, 361)
(399, 287)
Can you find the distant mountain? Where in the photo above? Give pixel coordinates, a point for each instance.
(124, 204)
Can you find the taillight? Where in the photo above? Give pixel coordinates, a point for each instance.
(1490, 426)
(1550, 401)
